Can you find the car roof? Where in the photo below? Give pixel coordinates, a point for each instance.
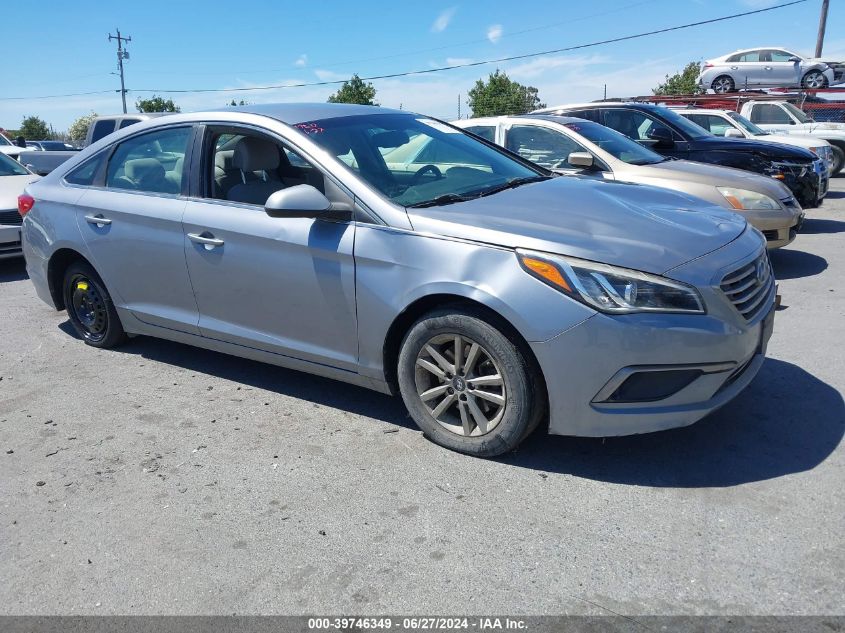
(301, 112)
(492, 120)
(596, 104)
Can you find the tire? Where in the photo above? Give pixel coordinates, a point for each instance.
(90, 307)
(453, 415)
(838, 160)
(723, 84)
(814, 80)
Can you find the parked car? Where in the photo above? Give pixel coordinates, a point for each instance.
(768, 67)
(782, 116)
(577, 147)
(481, 288)
(14, 177)
(670, 134)
(732, 124)
(51, 146)
(10, 149)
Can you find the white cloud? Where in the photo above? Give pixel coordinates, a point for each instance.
(538, 66)
(443, 20)
(494, 33)
(458, 61)
(329, 75)
(301, 61)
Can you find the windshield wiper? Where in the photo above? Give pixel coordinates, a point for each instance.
(512, 184)
(447, 198)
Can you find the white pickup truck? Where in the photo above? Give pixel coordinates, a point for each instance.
(10, 149)
(784, 118)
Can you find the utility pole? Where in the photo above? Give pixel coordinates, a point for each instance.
(121, 55)
(822, 27)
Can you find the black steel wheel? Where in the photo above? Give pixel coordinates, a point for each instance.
(89, 307)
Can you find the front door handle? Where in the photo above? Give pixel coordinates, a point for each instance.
(208, 240)
(99, 220)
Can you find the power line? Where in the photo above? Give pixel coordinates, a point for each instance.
(426, 71)
(71, 94)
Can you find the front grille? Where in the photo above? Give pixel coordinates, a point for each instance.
(771, 235)
(750, 287)
(10, 217)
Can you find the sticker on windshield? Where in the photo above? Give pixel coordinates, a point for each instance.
(437, 125)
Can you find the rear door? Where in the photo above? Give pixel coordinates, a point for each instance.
(280, 284)
(132, 225)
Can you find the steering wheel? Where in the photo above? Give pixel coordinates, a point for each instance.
(422, 171)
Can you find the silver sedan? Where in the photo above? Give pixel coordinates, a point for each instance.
(767, 68)
(493, 296)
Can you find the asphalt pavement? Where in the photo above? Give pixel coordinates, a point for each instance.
(164, 479)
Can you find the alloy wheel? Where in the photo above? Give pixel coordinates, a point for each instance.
(460, 384)
(815, 80)
(722, 85)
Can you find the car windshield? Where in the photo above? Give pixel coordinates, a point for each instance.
(747, 125)
(4, 140)
(616, 144)
(11, 167)
(685, 125)
(798, 114)
(416, 161)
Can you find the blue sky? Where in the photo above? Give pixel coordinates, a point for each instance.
(63, 48)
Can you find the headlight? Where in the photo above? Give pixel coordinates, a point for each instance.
(747, 200)
(816, 150)
(780, 169)
(611, 289)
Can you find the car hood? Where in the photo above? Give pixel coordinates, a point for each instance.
(839, 127)
(12, 150)
(11, 187)
(635, 226)
(771, 150)
(798, 140)
(715, 175)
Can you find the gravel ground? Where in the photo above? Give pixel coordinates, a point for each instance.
(163, 479)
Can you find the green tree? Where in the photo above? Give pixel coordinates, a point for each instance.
(34, 129)
(78, 130)
(156, 104)
(682, 83)
(501, 95)
(355, 91)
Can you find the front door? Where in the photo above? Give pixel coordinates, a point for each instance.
(280, 284)
(132, 225)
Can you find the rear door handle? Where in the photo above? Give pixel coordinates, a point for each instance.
(207, 239)
(99, 220)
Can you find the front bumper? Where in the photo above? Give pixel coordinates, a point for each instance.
(717, 355)
(10, 241)
(808, 183)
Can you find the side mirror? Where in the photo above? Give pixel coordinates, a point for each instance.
(662, 136)
(580, 159)
(732, 132)
(299, 201)
(795, 60)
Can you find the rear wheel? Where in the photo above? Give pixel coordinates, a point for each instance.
(90, 307)
(723, 84)
(814, 80)
(838, 160)
(467, 386)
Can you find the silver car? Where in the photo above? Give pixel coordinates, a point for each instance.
(491, 295)
(772, 67)
(574, 146)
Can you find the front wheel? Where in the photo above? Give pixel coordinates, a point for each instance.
(838, 160)
(814, 80)
(467, 386)
(90, 307)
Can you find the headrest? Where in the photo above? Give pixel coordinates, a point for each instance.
(143, 169)
(255, 154)
(224, 159)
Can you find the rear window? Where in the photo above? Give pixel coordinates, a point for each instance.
(101, 129)
(85, 173)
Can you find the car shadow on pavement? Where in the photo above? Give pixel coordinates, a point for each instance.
(12, 270)
(814, 226)
(287, 382)
(791, 264)
(787, 421)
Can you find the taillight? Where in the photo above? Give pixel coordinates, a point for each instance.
(708, 65)
(25, 204)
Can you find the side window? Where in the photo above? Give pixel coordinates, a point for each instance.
(713, 124)
(101, 129)
(750, 56)
(85, 173)
(152, 162)
(487, 132)
(589, 115)
(780, 56)
(250, 167)
(769, 113)
(128, 122)
(545, 147)
(632, 123)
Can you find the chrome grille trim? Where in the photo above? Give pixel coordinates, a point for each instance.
(748, 291)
